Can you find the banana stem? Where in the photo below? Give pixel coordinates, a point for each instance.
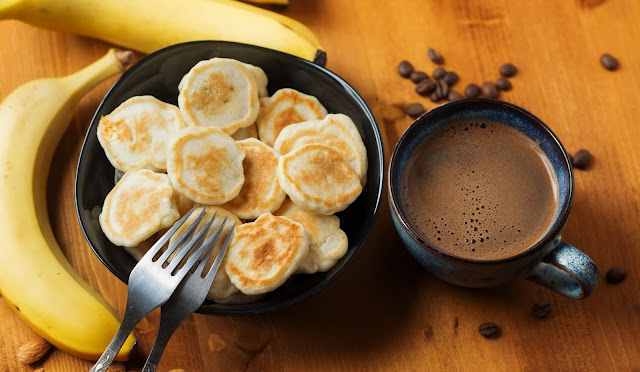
(100, 70)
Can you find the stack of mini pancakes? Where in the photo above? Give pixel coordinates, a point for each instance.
(280, 167)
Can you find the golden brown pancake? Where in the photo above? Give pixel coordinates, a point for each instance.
(205, 165)
(136, 133)
(328, 242)
(263, 254)
(336, 131)
(138, 206)
(286, 107)
(220, 93)
(318, 179)
(261, 191)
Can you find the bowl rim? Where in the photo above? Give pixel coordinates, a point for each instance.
(379, 149)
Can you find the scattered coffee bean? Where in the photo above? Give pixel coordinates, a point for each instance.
(418, 76)
(444, 88)
(508, 70)
(503, 84)
(426, 87)
(616, 275)
(435, 57)
(490, 90)
(414, 110)
(609, 62)
(405, 68)
(435, 95)
(472, 91)
(582, 159)
(451, 78)
(439, 73)
(454, 96)
(489, 330)
(541, 310)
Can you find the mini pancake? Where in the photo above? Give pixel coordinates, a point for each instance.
(205, 165)
(136, 133)
(138, 206)
(258, 75)
(263, 254)
(318, 179)
(286, 107)
(328, 242)
(260, 78)
(221, 288)
(261, 191)
(220, 93)
(336, 131)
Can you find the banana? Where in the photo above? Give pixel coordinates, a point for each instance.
(35, 278)
(148, 25)
(296, 26)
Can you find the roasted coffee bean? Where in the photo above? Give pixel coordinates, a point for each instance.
(454, 96)
(405, 68)
(609, 62)
(439, 73)
(444, 88)
(616, 275)
(489, 330)
(414, 110)
(490, 90)
(435, 57)
(582, 159)
(426, 87)
(451, 78)
(541, 310)
(435, 95)
(418, 76)
(508, 70)
(472, 91)
(503, 84)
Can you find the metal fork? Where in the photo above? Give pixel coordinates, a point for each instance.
(151, 283)
(187, 298)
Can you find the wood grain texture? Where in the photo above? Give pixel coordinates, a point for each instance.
(385, 313)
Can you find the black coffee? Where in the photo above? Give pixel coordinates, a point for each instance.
(480, 190)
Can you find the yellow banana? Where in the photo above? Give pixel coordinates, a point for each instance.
(35, 278)
(148, 25)
(296, 26)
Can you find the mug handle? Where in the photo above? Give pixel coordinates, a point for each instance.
(567, 271)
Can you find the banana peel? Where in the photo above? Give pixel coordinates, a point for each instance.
(149, 25)
(35, 278)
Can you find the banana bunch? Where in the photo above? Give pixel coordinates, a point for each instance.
(35, 278)
(148, 25)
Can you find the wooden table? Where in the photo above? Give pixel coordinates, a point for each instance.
(385, 312)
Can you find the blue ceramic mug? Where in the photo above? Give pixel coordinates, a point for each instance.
(550, 261)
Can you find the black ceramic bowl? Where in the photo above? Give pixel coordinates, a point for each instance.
(158, 75)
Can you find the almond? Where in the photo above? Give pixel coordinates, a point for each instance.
(33, 350)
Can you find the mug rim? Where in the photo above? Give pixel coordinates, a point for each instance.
(542, 242)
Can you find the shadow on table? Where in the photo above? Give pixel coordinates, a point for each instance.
(368, 304)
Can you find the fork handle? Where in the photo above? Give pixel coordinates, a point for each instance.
(164, 334)
(116, 344)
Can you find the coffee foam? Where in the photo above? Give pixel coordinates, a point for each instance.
(480, 190)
